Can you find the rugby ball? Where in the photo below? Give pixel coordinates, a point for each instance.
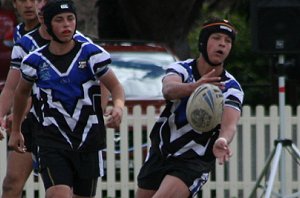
(205, 108)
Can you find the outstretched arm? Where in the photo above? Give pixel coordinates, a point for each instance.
(229, 122)
(16, 140)
(174, 88)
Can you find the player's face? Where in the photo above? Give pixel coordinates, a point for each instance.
(39, 4)
(25, 9)
(63, 26)
(218, 47)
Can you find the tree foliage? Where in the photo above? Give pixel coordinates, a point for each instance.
(177, 24)
(167, 21)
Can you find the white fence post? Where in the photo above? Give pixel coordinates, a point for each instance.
(257, 130)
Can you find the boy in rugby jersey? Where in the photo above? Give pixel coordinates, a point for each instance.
(67, 74)
(19, 166)
(15, 178)
(180, 159)
(26, 10)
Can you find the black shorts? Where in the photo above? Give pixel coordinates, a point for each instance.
(79, 170)
(192, 172)
(29, 127)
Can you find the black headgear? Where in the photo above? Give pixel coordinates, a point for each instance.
(214, 26)
(53, 8)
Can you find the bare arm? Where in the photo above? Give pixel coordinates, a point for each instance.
(111, 82)
(22, 93)
(8, 93)
(174, 88)
(104, 97)
(229, 123)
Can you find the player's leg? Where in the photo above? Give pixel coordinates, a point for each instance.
(172, 187)
(144, 193)
(56, 172)
(19, 167)
(85, 188)
(151, 175)
(89, 167)
(61, 191)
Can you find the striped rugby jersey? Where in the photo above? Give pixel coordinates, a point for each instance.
(31, 41)
(69, 95)
(20, 31)
(172, 135)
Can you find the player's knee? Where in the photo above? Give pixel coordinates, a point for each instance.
(12, 186)
(62, 191)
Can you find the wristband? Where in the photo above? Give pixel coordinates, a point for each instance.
(222, 138)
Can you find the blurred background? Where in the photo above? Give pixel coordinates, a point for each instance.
(267, 29)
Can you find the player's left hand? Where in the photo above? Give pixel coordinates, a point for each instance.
(113, 117)
(221, 150)
(16, 142)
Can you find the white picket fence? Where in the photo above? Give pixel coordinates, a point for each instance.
(254, 141)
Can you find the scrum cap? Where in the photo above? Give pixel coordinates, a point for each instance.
(214, 25)
(53, 8)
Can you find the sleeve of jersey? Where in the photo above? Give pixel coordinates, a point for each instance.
(99, 61)
(17, 56)
(28, 71)
(234, 97)
(177, 68)
(78, 36)
(16, 34)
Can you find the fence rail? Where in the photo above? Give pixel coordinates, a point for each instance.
(126, 148)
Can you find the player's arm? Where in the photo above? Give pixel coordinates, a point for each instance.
(105, 94)
(229, 123)
(8, 93)
(228, 129)
(113, 85)
(22, 93)
(174, 88)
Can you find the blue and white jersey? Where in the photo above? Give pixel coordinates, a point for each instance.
(28, 43)
(20, 31)
(172, 135)
(69, 95)
(32, 41)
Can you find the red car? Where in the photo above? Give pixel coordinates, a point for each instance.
(8, 22)
(140, 67)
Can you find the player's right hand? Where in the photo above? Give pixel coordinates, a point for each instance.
(16, 142)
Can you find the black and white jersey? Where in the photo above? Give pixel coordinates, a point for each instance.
(172, 135)
(32, 41)
(20, 31)
(69, 95)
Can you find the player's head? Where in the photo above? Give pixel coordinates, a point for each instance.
(214, 25)
(25, 9)
(53, 8)
(39, 4)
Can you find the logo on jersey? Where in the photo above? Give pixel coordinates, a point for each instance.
(44, 72)
(82, 64)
